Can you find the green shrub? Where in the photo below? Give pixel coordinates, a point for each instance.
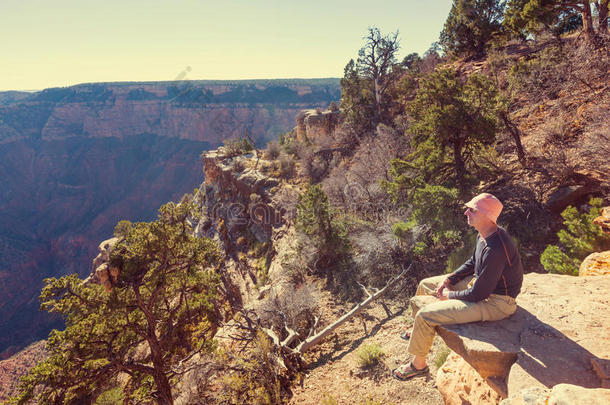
(236, 147)
(369, 355)
(255, 377)
(581, 238)
(316, 219)
(441, 356)
(110, 397)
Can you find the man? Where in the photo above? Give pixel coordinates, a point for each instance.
(482, 289)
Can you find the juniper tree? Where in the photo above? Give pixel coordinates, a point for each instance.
(161, 307)
(470, 25)
(580, 238)
(450, 122)
(366, 82)
(528, 16)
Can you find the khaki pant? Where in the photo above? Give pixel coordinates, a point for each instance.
(454, 311)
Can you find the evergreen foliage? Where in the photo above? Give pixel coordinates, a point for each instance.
(161, 307)
(471, 24)
(357, 98)
(523, 17)
(370, 355)
(450, 121)
(255, 380)
(580, 238)
(366, 83)
(315, 219)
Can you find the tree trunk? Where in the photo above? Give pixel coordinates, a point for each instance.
(163, 387)
(377, 101)
(587, 20)
(460, 169)
(514, 131)
(602, 10)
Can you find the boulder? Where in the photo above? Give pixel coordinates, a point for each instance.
(460, 384)
(561, 394)
(558, 200)
(596, 264)
(604, 220)
(557, 334)
(566, 394)
(102, 273)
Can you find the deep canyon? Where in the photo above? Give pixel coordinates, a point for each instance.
(76, 160)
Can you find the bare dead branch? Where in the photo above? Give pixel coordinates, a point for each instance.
(314, 340)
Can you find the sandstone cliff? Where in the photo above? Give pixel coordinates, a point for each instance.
(74, 161)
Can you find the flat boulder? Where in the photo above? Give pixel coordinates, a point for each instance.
(559, 335)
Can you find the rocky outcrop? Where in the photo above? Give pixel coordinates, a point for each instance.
(103, 273)
(558, 335)
(315, 124)
(459, 383)
(604, 220)
(241, 211)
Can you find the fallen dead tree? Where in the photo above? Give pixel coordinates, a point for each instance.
(250, 324)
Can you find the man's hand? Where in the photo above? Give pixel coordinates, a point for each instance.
(444, 295)
(440, 290)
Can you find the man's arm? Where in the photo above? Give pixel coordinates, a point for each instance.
(492, 265)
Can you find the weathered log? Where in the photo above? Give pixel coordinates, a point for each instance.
(317, 338)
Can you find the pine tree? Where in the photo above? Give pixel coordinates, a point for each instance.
(470, 25)
(161, 307)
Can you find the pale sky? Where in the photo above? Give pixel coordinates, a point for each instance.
(65, 42)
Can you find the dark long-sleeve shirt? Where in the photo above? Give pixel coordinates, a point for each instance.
(496, 264)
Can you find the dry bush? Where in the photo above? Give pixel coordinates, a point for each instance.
(285, 201)
(299, 305)
(286, 166)
(356, 188)
(588, 64)
(273, 150)
(311, 165)
(595, 142)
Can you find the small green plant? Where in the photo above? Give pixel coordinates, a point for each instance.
(262, 272)
(255, 376)
(328, 399)
(441, 356)
(369, 355)
(581, 238)
(110, 397)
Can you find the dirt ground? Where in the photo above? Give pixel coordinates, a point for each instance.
(334, 376)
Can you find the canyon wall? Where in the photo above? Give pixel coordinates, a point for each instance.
(74, 161)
